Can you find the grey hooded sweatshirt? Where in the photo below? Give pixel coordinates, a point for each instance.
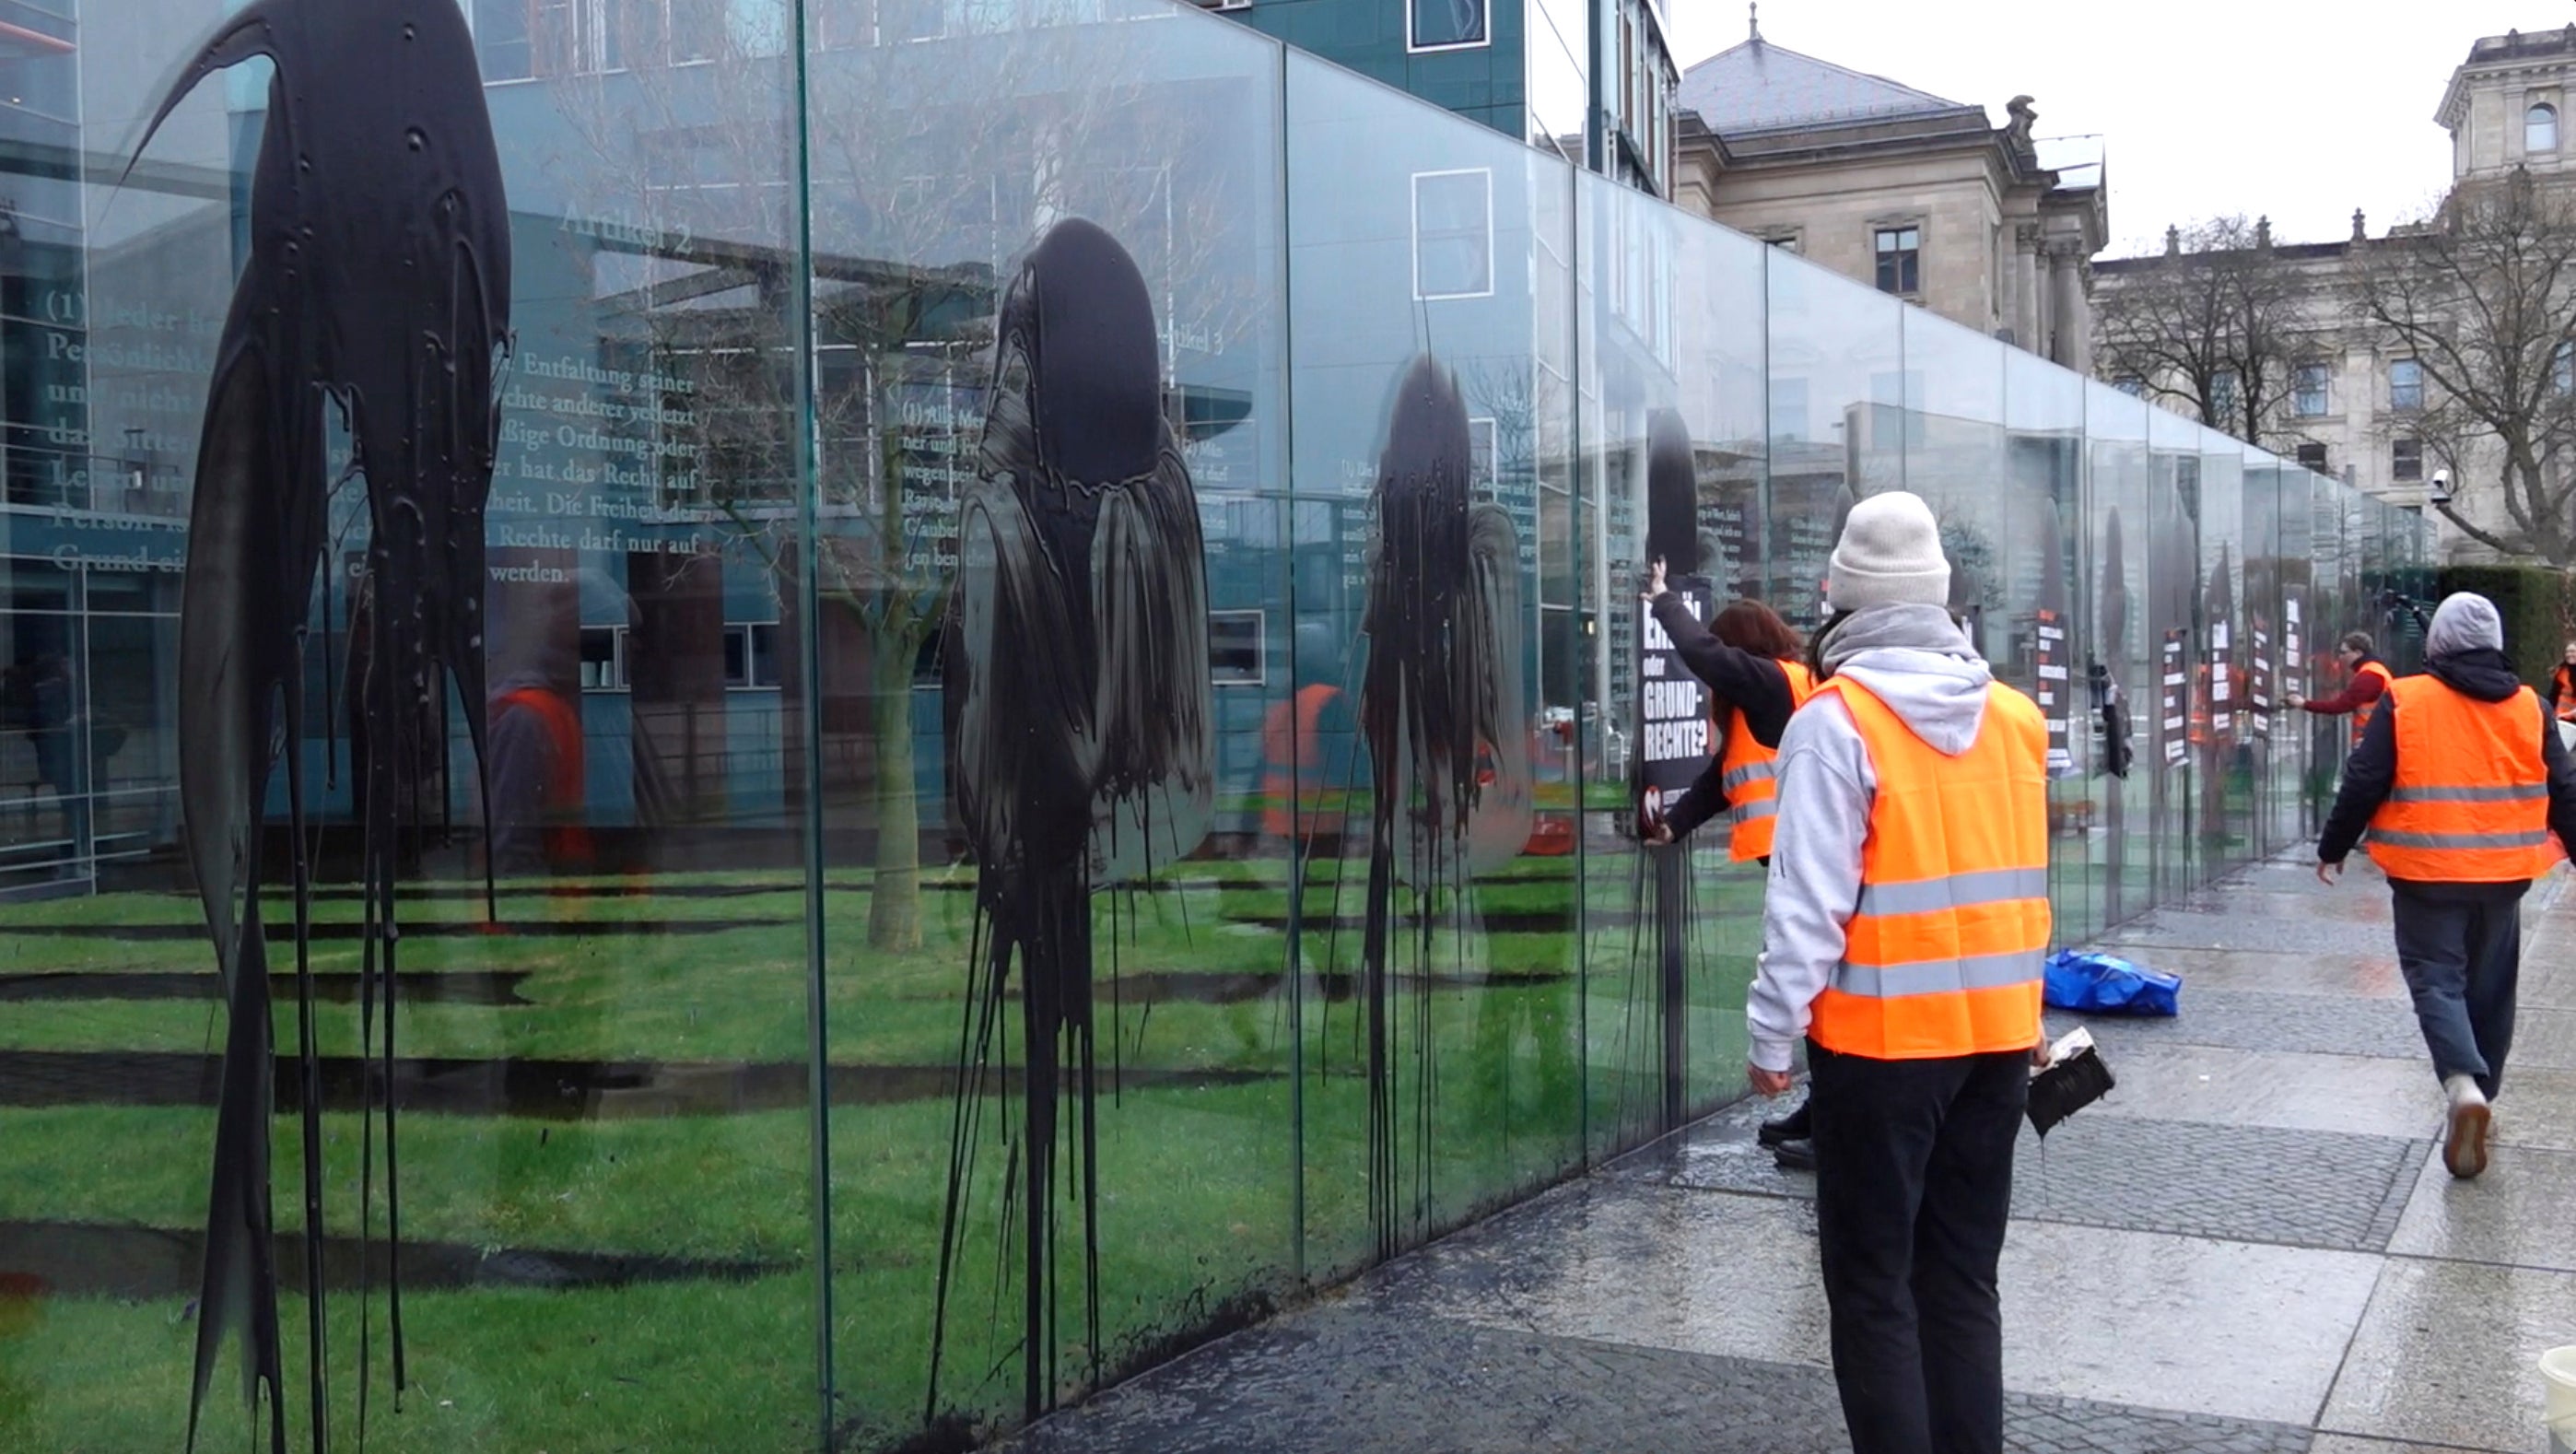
(1918, 661)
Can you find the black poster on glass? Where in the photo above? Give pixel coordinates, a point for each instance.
(2171, 710)
(2048, 672)
(1672, 708)
(2258, 683)
(2222, 682)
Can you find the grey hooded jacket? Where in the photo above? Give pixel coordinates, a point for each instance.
(1915, 659)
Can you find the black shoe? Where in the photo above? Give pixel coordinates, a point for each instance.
(1795, 1126)
(1794, 1155)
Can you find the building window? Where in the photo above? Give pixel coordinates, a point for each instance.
(1788, 411)
(1234, 648)
(2540, 128)
(1785, 241)
(2406, 386)
(2131, 385)
(1453, 234)
(501, 39)
(2313, 456)
(2406, 459)
(751, 655)
(603, 658)
(1444, 24)
(1900, 260)
(2223, 399)
(2308, 391)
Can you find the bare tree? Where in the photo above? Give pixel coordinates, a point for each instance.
(2211, 324)
(2484, 296)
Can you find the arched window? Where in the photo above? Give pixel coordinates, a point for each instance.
(2540, 128)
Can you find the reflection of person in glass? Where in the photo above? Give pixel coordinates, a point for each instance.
(534, 777)
(42, 692)
(1902, 933)
(2367, 680)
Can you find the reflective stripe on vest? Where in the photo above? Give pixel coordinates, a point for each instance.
(1943, 950)
(2362, 714)
(1751, 774)
(2469, 802)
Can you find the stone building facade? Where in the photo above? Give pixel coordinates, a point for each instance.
(1922, 197)
(2354, 391)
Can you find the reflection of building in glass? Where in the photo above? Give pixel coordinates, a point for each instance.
(1591, 80)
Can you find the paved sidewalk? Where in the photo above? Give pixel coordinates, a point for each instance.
(2250, 1247)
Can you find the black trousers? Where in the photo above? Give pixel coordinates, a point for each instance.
(1914, 1163)
(2460, 946)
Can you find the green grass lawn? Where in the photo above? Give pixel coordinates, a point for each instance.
(1541, 1037)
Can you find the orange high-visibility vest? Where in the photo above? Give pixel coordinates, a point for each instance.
(1943, 954)
(1750, 773)
(2470, 800)
(2362, 714)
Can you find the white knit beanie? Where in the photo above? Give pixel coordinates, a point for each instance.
(1890, 554)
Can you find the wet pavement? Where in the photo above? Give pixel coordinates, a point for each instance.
(2251, 1246)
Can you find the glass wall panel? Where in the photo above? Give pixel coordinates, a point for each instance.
(1432, 302)
(1836, 419)
(1057, 715)
(2174, 620)
(2222, 734)
(1673, 390)
(514, 450)
(2266, 607)
(2137, 665)
(2042, 488)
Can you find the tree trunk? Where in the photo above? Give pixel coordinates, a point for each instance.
(894, 906)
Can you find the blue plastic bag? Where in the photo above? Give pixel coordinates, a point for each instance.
(2098, 984)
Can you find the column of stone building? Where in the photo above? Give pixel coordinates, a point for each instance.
(2066, 303)
(2030, 328)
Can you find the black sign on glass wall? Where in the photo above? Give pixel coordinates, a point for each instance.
(1672, 708)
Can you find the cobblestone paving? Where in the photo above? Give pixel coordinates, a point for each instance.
(2275, 933)
(2262, 1020)
(1340, 1380)
(2238, 1183)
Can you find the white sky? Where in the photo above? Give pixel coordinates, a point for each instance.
(2303, 109)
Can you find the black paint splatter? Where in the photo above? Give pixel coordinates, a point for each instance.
(1078, 722)
(1448, 741)
(377, 286)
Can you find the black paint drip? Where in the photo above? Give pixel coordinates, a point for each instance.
(1673, 537)
(1448, 739)
(1078, 727)
(377, 284)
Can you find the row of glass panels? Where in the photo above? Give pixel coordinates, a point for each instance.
(1339, 939)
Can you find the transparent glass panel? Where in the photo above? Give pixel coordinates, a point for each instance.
(2053, 647)
(1836, 418)
(1441, 1071)
(564, 1111)
(2140, 677)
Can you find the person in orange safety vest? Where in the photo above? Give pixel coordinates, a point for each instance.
(2461, 782)
(2368, 678)
(1903, 932)
(2562, 686)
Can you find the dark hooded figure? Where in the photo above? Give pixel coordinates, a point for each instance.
(1448, 737)
(376, 284)
(1078, 715)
